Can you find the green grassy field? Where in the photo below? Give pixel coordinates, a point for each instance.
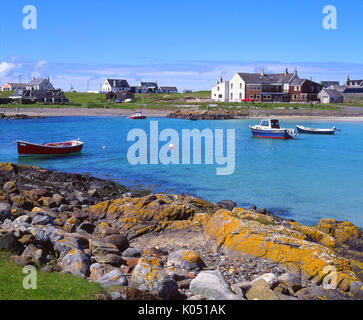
(162, 101)
(50, 286)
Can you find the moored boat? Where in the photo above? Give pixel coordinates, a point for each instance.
(27, 149)
(271, 129)
(302, 129)
(137, 116)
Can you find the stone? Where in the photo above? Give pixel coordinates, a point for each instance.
(64, 208)
(150, 276)
(227, 204)
(41, 220)
(241, 288)
(86, 226)
(113, 278)
(5, 211)
(118, 240)
(270, 278)
(319, 293)
(67, 244)
(260, 290)
(291, 280)
(356, 289)
(131, 253)
(212, 286)
(58, 199)
(185, 259)
(111, 259)
(71, 225)
(76, 262)
(34, 253)
(130, 294)
(97, 271)
(100, 248)
(10, 187)
(8, 242)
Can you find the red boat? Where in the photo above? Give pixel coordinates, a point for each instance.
(26, 149)
(137, 116)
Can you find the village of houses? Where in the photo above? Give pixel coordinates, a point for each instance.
(285, 87)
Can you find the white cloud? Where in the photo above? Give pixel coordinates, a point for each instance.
(194, 75)
(7, 68)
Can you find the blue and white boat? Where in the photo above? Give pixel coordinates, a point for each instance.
(271, 129)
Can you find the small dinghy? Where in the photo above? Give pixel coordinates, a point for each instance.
(27, 149)
(137, 116)
(271, 129)
(302, 129)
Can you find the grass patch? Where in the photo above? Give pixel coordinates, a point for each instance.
(51, 286)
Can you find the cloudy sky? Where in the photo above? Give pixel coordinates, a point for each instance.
(187, 44)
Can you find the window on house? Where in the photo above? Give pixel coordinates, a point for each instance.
(240, 95)
(217, 88)
(231, 96)
(240, 85)
(220, 96)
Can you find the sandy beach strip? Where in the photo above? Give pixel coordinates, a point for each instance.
(85, 112)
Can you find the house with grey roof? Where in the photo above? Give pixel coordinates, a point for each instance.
(39, 84)
(330, 96)
(353, 83)
(328, 83)
(116, 85)
(168, 90)
(261, 87)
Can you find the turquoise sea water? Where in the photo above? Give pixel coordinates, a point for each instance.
(305, 179)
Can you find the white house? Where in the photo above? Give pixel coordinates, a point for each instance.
(257, 86)
(330, 96)
(115, 85)
(13, 86)
(39, 84)
(220, 91)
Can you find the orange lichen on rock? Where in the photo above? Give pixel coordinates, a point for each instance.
(279, 244)
(342, 231)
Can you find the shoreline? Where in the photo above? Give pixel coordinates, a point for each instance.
(98, 231)
(318, 115)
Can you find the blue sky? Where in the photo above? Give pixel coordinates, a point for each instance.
(183, 43)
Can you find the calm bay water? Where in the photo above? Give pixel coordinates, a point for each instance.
(305, 179)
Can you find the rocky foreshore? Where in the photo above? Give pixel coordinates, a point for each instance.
(142, 246)
(18, 117)
(237, 113)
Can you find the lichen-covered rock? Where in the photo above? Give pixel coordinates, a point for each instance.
(261, 237)
(342, 231)
(212, 286)
(67, 244)
(71, 224)
(97, 271)
(76, 262)
(8, 242)
(113, 278)
(149, 275)
(185, 259)
(10, 187)
(150, 213)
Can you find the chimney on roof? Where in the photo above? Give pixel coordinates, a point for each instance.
(262, 72)
(295, 71)
(286, 72)
(348, 78)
